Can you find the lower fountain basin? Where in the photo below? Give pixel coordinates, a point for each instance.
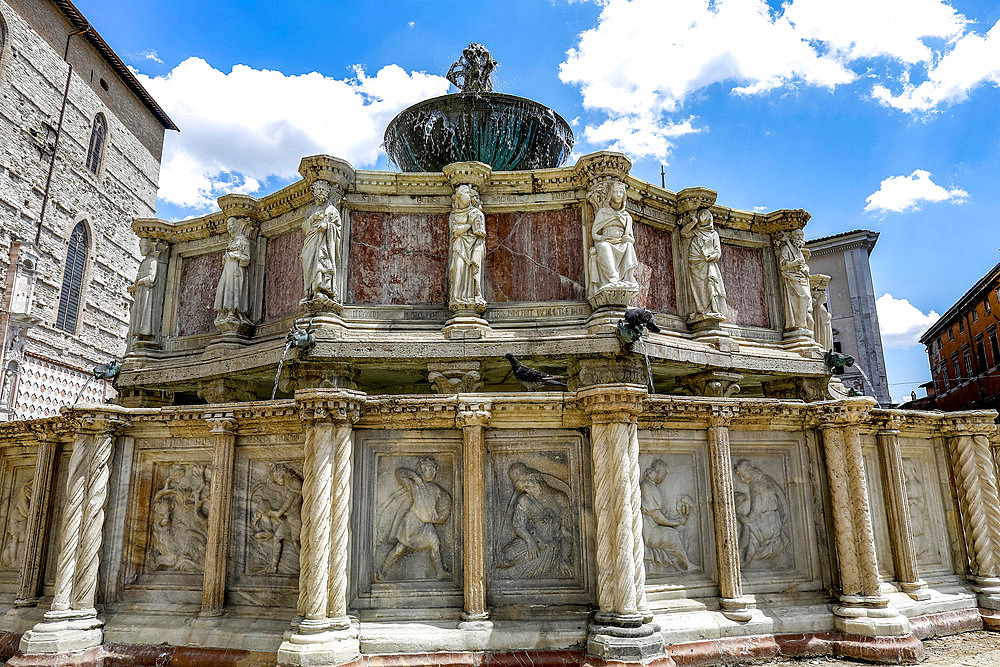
(507, 132)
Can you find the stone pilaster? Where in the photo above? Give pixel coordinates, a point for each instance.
(36, 530)
(223, 428)
(898, 510)
(620, 629)
(727, 538)
(976, 487)
(71, 624)
(472, 419)
(862, 609)
(324, 635)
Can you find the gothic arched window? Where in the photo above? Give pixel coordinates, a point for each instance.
(97, 137)
(72, 284)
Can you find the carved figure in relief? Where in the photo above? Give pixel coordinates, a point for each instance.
(662, 526)
(541, 520)
(232, 302)
(179, 518)
(822, 322)
(17, 523)
(704, 275)
(762, 512)
(279, 526)
(142, 290)
(612, 258)
(323, 229)
(797, 293)
(915, 502)
(420, 505)
(468, 248)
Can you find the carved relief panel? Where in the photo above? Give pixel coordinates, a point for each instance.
(924, 484)
(538, 522)
(408, 519)
(16, 481)
(876, 501)
(773, 486)
(266, 522)
(167, 525)
(676, 512)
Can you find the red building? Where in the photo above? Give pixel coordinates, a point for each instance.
(964, 349)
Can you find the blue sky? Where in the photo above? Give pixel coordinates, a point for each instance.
(877, 114)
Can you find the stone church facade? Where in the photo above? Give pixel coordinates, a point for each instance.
(80, 148)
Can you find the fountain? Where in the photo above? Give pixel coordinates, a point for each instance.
(477, 125)
(385, 492)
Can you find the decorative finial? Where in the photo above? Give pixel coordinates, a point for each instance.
(472, 72)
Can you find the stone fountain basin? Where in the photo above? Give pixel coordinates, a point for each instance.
(507, 132)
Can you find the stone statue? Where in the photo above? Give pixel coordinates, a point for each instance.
(541, 521)
(17, 524)
(662, 527)
(323, 229)
(762, 512)
(822, 322)
(472, 72)
(418, 507)
(279, 526)
(792, 257)
(704, 275)
(232, 302)
(612, 258)
(468, 249)
(179, 518)
(143, 325)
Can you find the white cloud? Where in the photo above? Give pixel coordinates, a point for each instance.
(239, 129)
(638, 137)
(903, 193)
(150, 54)
(901, 322)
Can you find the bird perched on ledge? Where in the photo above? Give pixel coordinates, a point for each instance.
(637, 318)
(531, 378)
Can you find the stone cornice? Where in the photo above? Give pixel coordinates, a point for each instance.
(341, 406)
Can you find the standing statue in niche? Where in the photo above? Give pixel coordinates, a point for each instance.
(232, 302)
(704, 275)
(662, 527)
(17, 524)
(468, 249)
(472, 72)
(142, 290)
(417, 507)
(541, 521)
(323, 229)
(277, 526)
(179, 520)
(822, 322)
(612, 258)
(792, 257)
(762, 512)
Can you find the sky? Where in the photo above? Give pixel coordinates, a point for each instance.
(870, 114)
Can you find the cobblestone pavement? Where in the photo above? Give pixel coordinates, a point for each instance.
(971, 649)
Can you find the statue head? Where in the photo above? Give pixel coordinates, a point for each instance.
(321, 190)
(524, 479)
(427, 467)
(616, 195)
(658, 471)
(747, 471)
(281, 474)
(798, 238)
(706, 219)
(145, 245)
(464, 196)
(233, 225)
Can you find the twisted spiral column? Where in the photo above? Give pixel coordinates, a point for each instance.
(869, 578)
(836, 470)
(314, 552)
(72, 520)
(343, 443)
(976, 480)
(88, 560)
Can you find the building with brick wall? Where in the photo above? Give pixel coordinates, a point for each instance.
(964, 350)
(844, 257)
(80, 147)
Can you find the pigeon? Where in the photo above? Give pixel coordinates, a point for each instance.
(637, 318)
(531, 378)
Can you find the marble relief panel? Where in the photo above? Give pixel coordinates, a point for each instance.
(16, 481)
(930, 537)
(537, 520)
(266, 523)
(167, 525)
(676, 511)
(772, 488)
(408, 518)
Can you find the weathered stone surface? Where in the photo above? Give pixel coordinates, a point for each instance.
(283, 278)
(655, 274)
(534, 256)
(398, 258)
(199, 277)
(743, 271)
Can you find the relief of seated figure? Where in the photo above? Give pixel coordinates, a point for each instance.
(541, 521)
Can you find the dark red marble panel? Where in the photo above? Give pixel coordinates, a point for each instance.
(655, 274)
(283, 274)
(196, 297)
(743, 275)
(536, 256)
(398, 258)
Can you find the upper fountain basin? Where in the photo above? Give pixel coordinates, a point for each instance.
(507, 132)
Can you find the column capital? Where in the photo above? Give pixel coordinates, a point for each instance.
(96, 421)
(847, 412)
(613, 402)
(722, 415)
(342, 406)
(473, 413)
(979, 422)
(221, 422)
